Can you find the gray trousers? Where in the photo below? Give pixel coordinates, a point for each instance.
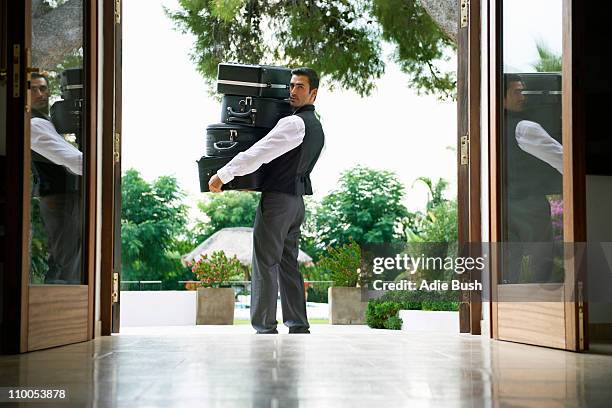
(61, 216)
(276, 237)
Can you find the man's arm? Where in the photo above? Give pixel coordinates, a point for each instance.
(48, 143)
(533, 139)
(286, 135)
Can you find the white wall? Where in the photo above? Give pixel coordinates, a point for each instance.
(158, 308)
(484, 165)
(599, 230)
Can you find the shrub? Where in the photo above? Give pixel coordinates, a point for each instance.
(378, 313)
(393, 323)
(216, 269)
(343, 264)
(422, 300)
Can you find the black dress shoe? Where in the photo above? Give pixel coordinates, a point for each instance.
(299, 330)
(268, 332)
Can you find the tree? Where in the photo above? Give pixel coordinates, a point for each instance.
(153, 219)
(438, 224)
(230, 209)
(57, 31)
(341, 39)
(367, 208)
(548, 61)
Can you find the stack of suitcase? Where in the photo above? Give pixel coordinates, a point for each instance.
(255, 97)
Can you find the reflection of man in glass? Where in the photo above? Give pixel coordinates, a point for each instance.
(534, 163)
(57, 167)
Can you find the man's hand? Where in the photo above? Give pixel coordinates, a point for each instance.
(215, 184)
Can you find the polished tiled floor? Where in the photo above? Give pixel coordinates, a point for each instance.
(335, 366)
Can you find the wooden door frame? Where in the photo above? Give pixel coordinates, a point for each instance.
(468, 175)
(111, 167)
(574, 159)
(16, 336)
(17, 189)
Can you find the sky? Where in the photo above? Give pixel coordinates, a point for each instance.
(527, 22)
(166, 108)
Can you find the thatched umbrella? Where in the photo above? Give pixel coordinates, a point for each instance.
(233, 241)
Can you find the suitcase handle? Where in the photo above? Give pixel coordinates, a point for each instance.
(233, 119)
(224, 145)
(235, 114)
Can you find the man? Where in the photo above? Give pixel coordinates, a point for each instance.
(534, 164)
(289, 152)
(56, 166)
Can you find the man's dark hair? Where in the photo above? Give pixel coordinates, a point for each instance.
(510, 78)
(35, 75)
(313, 78)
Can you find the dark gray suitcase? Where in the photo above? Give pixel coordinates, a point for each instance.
(253, 111)
(208, 167)
(253, 80)
(543, 100)
(223, 140)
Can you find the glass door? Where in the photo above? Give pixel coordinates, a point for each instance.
(535, 295)
(52, 161)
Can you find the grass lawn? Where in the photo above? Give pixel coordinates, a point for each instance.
(311, 321)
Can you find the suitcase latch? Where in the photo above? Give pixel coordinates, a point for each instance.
(233, 134)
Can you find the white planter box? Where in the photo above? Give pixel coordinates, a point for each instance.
(425, 320)
(158, 308)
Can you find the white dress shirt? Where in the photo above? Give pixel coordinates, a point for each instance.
(285, 136)
(45, 141)
(533, 139)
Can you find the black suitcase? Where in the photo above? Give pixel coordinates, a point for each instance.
(543, 101)
(223, 140)
(253, 80)
(254, 111)
(208, 167)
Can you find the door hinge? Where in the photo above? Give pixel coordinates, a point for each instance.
(117, 147)
(16, 70)
(465, 13)
(465, 150)
(115, 287)
(117, 11)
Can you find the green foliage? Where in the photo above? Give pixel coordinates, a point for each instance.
(343, 264)
(314, 273)
(420, 44)
(39, 255)
(383, 312)
(439, 222)
(318, 294)
(341, 39)
(367, 208)
(393, 323)
(422, 300)
(72, 60)
(230, 209)
(216, 269)
(309, 238)
(548, 61)
(379, 315)
(153, 219)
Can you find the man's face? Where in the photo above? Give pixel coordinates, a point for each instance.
(300, 93)
(515, 100)
(40, 94)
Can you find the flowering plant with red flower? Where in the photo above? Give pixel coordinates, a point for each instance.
(216, 269)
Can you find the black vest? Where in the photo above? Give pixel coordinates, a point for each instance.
(50, 178)
(290, 172)
(526, 174)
